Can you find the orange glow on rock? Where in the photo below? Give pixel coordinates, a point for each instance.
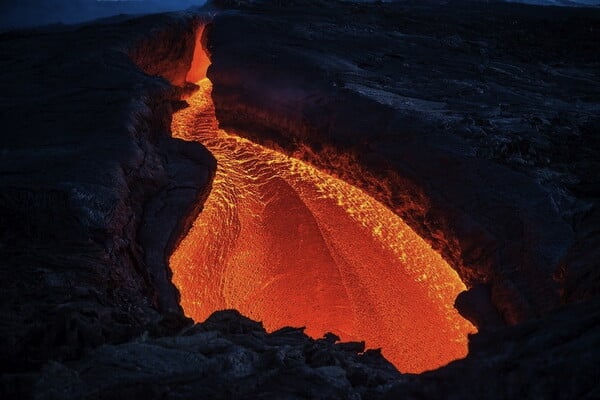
(200, 60)
(289, 245)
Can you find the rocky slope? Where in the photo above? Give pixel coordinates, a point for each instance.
(477, 124)
(226, 357)
(231, 357)
(474, 122)
(93, 190)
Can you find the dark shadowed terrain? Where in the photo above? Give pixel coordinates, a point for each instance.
(477, 123)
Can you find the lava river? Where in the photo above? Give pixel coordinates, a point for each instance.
(289, 245)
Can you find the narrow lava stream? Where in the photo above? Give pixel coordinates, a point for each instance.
(289, 245)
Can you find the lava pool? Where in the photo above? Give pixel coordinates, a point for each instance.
(289, 245)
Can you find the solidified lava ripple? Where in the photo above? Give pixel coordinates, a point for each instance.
(289, 245)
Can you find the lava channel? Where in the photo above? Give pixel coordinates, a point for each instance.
(289, 245)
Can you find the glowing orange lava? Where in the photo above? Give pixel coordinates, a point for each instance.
(200, 60)
(289, 245)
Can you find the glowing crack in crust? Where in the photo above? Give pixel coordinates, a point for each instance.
(289, 245)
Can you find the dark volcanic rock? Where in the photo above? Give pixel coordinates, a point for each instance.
(227, 357)
(477, 123)
(93, 191)
(553, 358)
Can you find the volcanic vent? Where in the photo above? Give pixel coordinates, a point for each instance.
(289, 245)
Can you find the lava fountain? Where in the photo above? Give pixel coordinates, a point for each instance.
(289, 245)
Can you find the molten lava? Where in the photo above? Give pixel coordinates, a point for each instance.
(200, 60)
(289, 245)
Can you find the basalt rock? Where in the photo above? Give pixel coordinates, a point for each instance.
(474, 122)
(94, 191)
(228, 356)
(554, 357)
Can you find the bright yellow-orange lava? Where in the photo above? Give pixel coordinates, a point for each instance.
(289, 245)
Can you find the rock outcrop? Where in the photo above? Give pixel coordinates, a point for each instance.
(474, 122)
(94, 191)
(551, 358)
(226, 357)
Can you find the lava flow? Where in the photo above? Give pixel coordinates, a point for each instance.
(289, 245)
